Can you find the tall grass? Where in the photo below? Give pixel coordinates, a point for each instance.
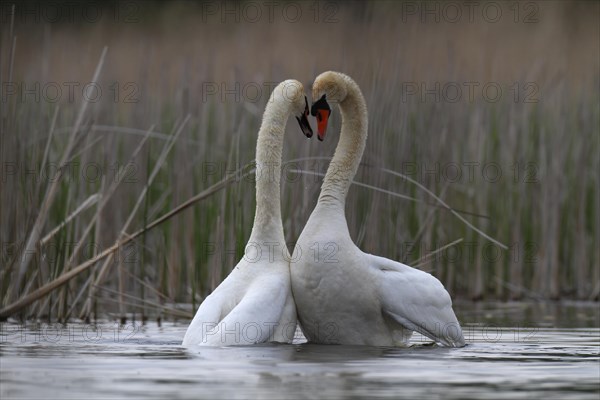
(541, 134)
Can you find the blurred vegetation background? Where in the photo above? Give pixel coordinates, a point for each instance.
(495, 109)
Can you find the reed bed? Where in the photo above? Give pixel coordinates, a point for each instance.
(134, 196)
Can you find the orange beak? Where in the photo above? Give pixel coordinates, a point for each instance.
(322, 118)
(322, 111)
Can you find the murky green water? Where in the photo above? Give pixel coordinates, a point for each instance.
(515, 351)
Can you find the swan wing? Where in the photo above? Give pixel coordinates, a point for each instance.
(208, 315)
(416, 300)
(256, 317)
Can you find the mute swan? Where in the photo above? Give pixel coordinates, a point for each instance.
(254, 304)
(343, 295)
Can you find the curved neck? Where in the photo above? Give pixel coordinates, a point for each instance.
(350, 148)
(269, 147)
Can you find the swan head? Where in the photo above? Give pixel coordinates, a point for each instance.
(328, 87)
(292, 92)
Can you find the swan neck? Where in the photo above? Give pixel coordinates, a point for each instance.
(349, 150)
(269, 147)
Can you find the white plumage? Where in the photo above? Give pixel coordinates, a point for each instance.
(254, 304)
(346, 296)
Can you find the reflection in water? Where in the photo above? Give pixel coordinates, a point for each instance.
(505, 358)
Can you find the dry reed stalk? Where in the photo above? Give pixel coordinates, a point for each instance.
(48, 142)
(89, 202)
(442, 206)
(77, 297)
(162, 296)
(425, 224)
(447, 207)
(426, 259)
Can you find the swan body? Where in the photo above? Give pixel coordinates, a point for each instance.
(342, 294)
(254, 304)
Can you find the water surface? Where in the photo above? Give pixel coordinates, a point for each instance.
(514, 352)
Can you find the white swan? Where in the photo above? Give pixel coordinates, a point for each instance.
(343, 295)
(254, 304)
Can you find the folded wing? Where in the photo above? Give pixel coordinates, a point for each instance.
(416, 300)
(254, 319)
